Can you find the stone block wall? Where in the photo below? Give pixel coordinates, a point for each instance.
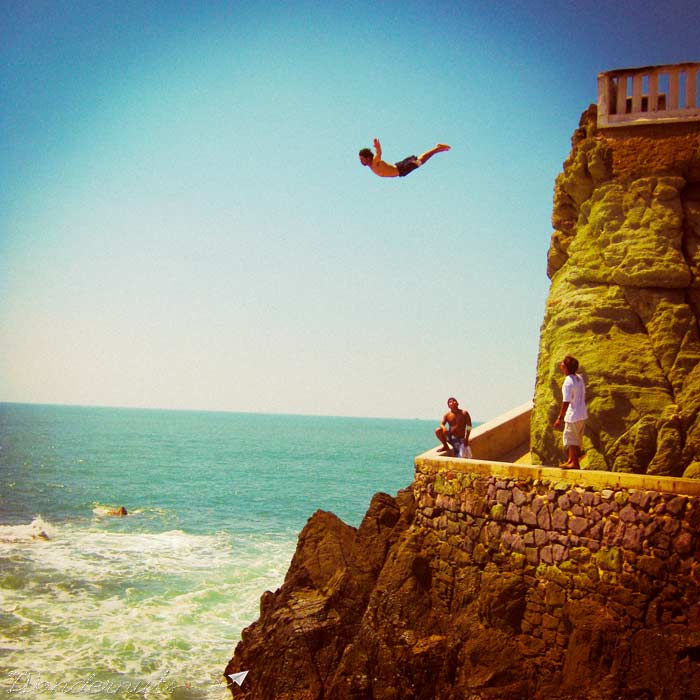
(588, 549)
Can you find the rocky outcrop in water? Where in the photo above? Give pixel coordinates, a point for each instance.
(624, 263)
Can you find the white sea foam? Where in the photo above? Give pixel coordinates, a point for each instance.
(38, 529)
(130, 607)
(131, 599)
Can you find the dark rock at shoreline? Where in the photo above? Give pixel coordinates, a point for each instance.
(438, 599)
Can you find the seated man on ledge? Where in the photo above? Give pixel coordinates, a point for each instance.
(400, 169)
(455, 428)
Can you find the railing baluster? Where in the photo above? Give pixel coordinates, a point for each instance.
(621, 107)
(673, 89)
(691, 81)
(653, 91)
(637, 92)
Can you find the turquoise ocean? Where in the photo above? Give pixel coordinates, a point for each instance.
(152, 605)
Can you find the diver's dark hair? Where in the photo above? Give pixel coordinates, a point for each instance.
(366, 153)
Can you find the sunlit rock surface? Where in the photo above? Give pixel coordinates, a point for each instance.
(624, 263)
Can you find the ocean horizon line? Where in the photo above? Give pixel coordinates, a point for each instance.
(220, 411)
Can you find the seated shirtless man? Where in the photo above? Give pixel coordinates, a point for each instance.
(455, 428)
(400, 169)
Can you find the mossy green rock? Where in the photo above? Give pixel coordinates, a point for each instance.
(624, 264)
(609, 559)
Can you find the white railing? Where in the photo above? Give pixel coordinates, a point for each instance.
(651, 94)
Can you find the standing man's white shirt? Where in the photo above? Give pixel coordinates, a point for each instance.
(574, 393)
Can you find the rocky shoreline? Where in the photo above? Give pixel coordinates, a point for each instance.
(484, 586)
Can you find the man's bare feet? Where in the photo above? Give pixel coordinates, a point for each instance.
(568, 465)
(442, 450)
(442, 147)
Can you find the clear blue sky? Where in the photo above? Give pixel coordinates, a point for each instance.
(184, 222)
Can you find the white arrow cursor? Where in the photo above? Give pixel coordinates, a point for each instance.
(238, 677)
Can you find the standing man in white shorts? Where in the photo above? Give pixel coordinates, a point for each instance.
(573, 411)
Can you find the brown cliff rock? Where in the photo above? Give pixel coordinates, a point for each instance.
(432, 598)
(624, 261)
(383, 624)
(310, 623)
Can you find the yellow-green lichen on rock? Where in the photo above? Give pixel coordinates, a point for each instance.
(624, 264)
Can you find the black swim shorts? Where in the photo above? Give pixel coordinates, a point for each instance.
(407, 165)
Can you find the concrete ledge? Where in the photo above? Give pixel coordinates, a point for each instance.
(495, 441)
(617, 121)
(429, 462)
(502, 435)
